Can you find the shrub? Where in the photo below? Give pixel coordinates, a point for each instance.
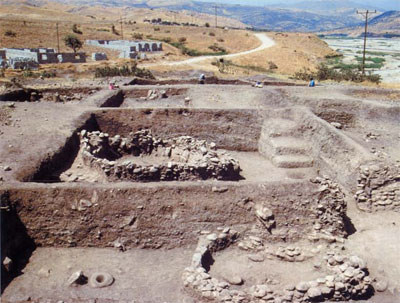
(2, 74)
(137, 36)
(48, 74)
(216, 48)
(73, 42)
(272, 65)
(221, 40)
(10, 33)
(330, 73)
(76, 30)
(207, 24)
(156, 29)
(123, 71)
(182, 40)
(212, 34)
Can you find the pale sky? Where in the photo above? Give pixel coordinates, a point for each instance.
(386, 4)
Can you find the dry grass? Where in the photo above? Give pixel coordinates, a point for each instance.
(292, 52)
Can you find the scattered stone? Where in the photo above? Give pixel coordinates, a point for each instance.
(314, 292)
(381, 285)
(256, 258)
(44, 272)
(7, 262)
(77, 278)
(234, 280)
(216, 189)
(337, 125)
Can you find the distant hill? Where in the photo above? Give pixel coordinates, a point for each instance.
(306, 16)
(383, 25)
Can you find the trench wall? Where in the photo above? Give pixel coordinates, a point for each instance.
(157, 215)
(232, 130)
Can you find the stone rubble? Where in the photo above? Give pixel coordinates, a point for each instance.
(329, 212)
(184, 158)
(378, 187)
(349, 279)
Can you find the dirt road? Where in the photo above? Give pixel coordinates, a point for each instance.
(266, 42)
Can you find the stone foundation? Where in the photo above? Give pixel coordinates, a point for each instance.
(182, 158)
(378, 187)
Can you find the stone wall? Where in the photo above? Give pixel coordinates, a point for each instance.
(181, 158)
(378, 187)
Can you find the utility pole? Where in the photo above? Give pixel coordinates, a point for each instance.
(216, 18)
(122, 31)
(366, 13)
(58, 39)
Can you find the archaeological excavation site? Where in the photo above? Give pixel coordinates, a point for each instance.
(172, 191)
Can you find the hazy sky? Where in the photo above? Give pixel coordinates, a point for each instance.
(387, 4)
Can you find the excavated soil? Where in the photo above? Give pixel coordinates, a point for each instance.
(60, 217)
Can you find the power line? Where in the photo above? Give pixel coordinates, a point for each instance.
(366, 13)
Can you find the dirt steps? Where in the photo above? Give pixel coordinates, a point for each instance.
(283, 144)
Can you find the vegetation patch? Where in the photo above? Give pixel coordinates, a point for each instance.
(331, 73)
(180, 44)
(124, 71)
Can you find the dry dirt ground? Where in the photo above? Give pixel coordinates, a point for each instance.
(145, 234)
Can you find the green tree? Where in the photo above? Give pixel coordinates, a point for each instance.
(73, 42)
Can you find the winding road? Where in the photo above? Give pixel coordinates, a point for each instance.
(266, 42)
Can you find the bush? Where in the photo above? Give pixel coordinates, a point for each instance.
(216, 48)
(156, 29)
(207, 24)
(10, 33)
(330, 73)
(123, 71)
(48, 74)
(182, 40)
(73, 42)
(272, 65)
(212, 34)
(76, 30)
(221, 40)
(137, 36)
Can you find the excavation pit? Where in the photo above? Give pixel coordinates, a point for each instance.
(164, 145)
(49, 94)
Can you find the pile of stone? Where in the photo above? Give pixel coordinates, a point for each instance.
(378, 187)
(182, 158)
(154, 94)
(290, 254)
(349, 279)
(252, 243)
(329, 211)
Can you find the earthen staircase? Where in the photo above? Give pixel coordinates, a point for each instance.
(282, 143)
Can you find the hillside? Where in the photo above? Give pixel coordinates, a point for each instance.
(383, 25)
(299, 19)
